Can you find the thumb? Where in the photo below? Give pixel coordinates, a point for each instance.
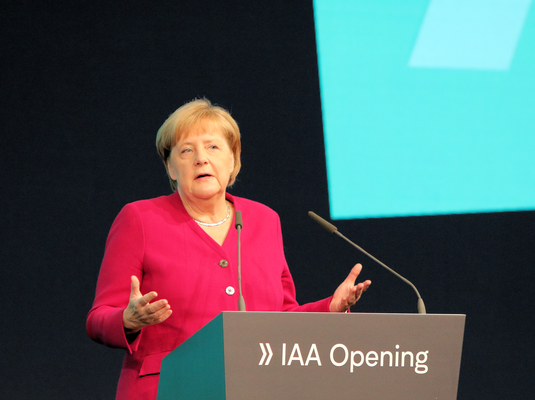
(353, 274)
(134, 287)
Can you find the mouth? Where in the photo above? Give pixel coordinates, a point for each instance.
(200, 176)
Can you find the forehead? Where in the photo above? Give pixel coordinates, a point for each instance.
(205, 128)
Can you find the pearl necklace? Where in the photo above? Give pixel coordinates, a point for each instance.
(217, 223)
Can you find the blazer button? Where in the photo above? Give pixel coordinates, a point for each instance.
(223, 263)
(230, 290)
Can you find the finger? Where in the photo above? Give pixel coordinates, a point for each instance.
(157, 306)
(161, 312)
(146, 299)
(353, 296)
(358, 293)
(134, 287)
(361, 288)
(164, 316)
(353, 274)
(156, 317)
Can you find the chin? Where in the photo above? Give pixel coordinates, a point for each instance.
(207, 194)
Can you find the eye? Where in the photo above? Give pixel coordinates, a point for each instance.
(186, 150)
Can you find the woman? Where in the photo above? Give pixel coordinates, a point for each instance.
(170, 264)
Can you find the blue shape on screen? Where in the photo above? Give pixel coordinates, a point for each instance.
(457, 137)
(471, 34)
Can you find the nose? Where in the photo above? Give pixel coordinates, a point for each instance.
(201, 157)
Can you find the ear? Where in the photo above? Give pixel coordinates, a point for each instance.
(170, 171)
(233, 163)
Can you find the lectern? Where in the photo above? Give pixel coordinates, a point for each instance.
(268, 356)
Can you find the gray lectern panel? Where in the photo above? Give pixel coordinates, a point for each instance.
(329, 356)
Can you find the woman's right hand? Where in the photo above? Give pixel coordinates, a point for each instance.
(141, 312)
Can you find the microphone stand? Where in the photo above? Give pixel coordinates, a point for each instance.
(333, 229)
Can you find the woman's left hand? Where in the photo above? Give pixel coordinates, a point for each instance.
(348, 293)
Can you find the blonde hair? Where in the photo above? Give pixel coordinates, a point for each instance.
(180, 123)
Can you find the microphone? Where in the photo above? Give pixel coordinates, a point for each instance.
(239, 226)
(332, 229)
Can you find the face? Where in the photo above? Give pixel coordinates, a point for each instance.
(201, 163)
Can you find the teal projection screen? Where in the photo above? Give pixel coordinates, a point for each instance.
(428, 105)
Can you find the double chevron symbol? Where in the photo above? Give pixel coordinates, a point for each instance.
(267, 353)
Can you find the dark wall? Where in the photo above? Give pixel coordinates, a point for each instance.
(85, 86)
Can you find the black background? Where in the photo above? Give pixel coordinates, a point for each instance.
(84, 87)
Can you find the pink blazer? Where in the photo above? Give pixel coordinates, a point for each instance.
(159, 242)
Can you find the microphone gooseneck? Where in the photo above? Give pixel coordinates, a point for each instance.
(239, 226)
(332, 229)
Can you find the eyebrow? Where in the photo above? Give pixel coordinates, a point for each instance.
(208, 140)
